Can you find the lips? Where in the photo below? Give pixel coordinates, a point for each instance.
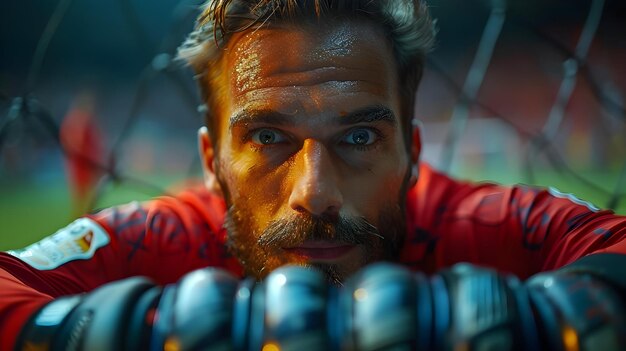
(321, 250)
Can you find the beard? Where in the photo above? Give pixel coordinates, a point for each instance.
(262, 251)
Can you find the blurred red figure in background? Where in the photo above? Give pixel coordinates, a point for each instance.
(83, 145)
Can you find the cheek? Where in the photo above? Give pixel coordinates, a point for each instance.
(254, 191)
(238, 171)
(378, 187)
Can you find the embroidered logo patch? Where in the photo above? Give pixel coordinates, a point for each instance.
(77, 241)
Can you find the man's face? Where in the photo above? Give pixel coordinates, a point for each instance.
(310, 154)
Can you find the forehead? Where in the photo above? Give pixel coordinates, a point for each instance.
(312, 67)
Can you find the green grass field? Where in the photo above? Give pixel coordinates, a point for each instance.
(30, 211)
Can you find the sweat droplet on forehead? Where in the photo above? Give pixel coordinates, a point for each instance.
(336, 43)
(308, 68)
(247, 69)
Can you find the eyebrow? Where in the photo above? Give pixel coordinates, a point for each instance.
(369, 114)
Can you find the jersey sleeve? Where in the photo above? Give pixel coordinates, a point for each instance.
(521, 230)
(18, 302)
(161, 239)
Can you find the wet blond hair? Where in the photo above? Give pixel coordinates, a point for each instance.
(406, 23)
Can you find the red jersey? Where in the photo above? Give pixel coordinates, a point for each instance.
(520, 230)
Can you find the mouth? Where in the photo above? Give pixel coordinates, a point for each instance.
(316, 250)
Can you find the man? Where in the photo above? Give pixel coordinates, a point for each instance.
(310, 158)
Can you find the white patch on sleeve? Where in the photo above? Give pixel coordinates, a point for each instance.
(555, 192)
(77, 241)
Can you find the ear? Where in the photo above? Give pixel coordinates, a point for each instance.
(416, 149)
(208, 161)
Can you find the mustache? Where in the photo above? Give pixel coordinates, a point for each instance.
(298, 229)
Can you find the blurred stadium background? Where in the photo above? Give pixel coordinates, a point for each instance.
(522, 92)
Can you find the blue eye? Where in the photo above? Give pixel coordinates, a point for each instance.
(267, 137)
(360, 137)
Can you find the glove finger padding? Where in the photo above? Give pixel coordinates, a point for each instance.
(196, 313)
(382, 307)
(289, 311)
(100, 322)
(386, 307)
(578, 312)
(96, 321)
(487, 311)
(41, 330)
(379, 307)
(242, 314)
(142, 319)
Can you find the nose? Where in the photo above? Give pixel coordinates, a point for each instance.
(315, 188)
